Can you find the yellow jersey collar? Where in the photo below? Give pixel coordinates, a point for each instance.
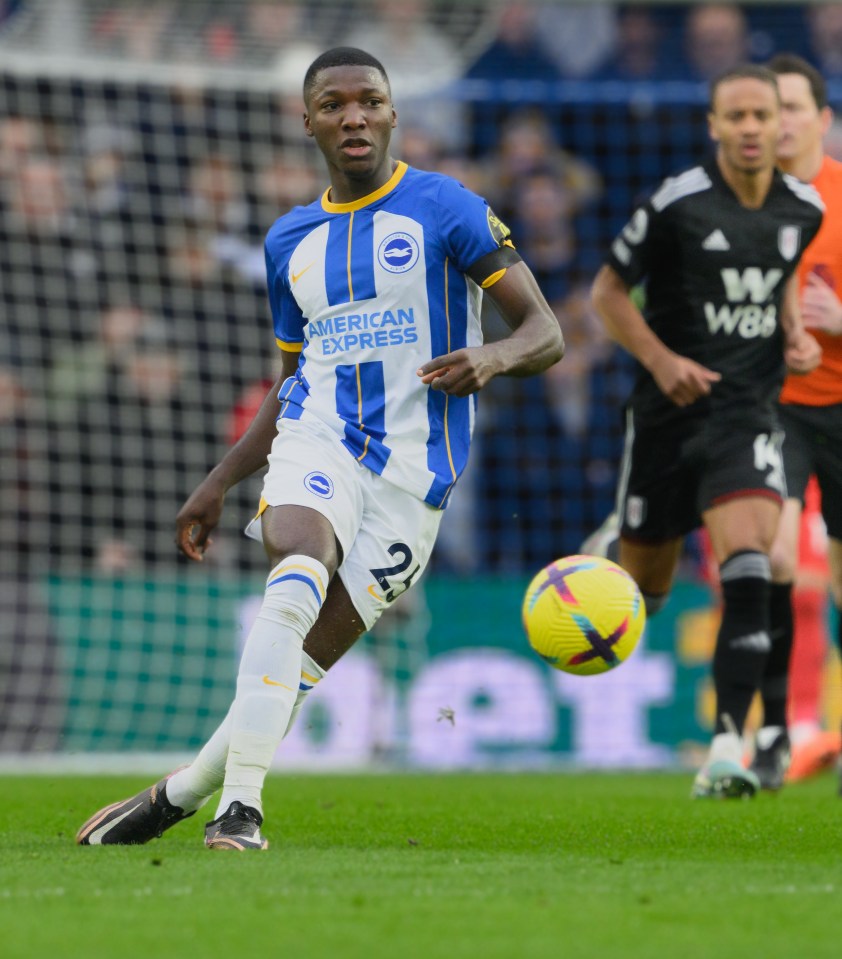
(378, 194)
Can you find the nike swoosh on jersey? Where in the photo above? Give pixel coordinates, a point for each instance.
(95, 837)
(272, 682)
(297, 276)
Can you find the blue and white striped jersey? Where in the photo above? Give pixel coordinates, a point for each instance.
(369, 291)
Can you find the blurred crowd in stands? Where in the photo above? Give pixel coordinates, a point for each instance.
(136, 341)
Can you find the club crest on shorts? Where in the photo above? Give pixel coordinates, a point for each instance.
(788, 239)
(635, 511)
(398, 252)
(319, 483)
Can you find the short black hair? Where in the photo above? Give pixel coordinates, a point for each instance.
(744, 71)
(341, 57)
(792, 63)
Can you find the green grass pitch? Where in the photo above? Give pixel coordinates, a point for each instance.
(480, 866)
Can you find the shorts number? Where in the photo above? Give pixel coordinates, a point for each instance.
(383, 576)
(767, 456)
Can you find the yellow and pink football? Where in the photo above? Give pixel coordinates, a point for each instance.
(583, 615)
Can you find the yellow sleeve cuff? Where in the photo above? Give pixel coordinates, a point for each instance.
(289, 347)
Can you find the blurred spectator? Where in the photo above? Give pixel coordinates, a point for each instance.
(84, 370)
(142, 442)
(279, 31)
(716, 38)
(542, 228)
(47, 266)
(287, 179)
(637, 55)
(114, 200)
(517, 52)
(824, 22)
(216, 229)
(20, 139)
(216, 202)
(569, 385)
(528, 145)
(216, 198)
(106, 150)
(578, 36)
(216, 312)
(539, 189)
(133, 31)
(38, 198)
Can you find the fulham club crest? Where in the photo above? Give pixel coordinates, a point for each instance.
(788, 241)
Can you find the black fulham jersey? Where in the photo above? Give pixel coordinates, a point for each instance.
(715, 273)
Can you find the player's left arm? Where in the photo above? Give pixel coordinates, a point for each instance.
(534, 344)
(802, 352)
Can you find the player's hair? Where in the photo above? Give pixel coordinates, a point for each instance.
(341, 57)
(792, 63)
(745, 71)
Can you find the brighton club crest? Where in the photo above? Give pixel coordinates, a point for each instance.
(788, 238)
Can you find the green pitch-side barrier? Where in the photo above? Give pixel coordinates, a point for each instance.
(150, 665)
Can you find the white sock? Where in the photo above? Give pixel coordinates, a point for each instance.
(726, 746)
(311, 673)
(269, 676)
(193, 786)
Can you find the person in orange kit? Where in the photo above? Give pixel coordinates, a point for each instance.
(811, 414)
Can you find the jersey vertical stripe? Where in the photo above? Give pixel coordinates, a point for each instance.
(449, 416)
(361, 262)
(361, 402)
(338, 281)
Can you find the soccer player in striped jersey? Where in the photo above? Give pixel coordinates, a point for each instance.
(718, 247)
(811, 415)
(375, 291)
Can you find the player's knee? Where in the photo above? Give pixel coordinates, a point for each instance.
(782, 562)
(654, 602)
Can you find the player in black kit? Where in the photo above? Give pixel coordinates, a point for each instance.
(718, 247)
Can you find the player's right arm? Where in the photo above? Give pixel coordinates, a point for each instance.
(200, 514)
(680, 379)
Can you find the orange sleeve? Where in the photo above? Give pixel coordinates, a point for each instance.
(823, 256)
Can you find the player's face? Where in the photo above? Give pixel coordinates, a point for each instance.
(745, 122)
(351, 117)
(803, 124)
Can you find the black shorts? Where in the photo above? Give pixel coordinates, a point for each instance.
(813, 445)
(671, 474)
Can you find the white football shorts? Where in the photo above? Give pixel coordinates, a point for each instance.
(387, 535)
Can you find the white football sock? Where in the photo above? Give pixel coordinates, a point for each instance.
(311, 673)
(726, 746)
(269, 676)
(193, 786)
